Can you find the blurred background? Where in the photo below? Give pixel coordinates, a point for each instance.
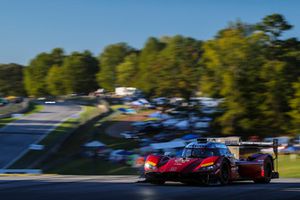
(67, 110)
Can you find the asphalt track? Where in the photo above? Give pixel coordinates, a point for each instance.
(53, 187)
(16, 137)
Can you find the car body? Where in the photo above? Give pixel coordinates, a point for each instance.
(209, 162)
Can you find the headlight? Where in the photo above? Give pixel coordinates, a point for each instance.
(207, 164)
(149, 165)
(208, 168)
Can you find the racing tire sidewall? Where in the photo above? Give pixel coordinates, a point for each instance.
(267, 172)
(224, 175)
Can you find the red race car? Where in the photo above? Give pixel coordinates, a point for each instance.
(209, 162)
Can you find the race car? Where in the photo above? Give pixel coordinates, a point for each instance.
(211, 163)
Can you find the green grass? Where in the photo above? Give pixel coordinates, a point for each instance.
(112, 142)
(116, 107)
(99, 133)
(59, 132)
(10, 108)
(33, 108)
(5, 121)
(69, 161)
(289, 167)
(56, 136)
(14, 108)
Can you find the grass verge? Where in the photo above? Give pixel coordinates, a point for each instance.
(289, 166)
(33, 107)
(56, 137)
(5, 121)
(68, 159)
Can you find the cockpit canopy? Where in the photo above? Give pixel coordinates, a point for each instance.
(204, 150)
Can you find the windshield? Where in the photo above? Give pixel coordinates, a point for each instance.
(200, 152)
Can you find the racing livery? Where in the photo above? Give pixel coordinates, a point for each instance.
(209, 162)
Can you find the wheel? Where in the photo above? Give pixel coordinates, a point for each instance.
(224, 173)
(267, 172)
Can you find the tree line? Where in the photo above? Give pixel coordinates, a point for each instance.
(251, 66)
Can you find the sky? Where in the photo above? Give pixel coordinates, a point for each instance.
(29, 27)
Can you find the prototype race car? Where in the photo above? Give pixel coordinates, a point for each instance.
(210, 162)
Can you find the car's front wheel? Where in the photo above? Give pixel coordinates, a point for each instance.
(224, 173)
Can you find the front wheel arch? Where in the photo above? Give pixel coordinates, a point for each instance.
(225, 172)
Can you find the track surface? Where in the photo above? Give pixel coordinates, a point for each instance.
(16, 137)
(52, 187)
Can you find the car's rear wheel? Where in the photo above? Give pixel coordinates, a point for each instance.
(267, 172)
(224, 175)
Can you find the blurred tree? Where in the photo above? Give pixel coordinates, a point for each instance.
(127, 71)
(147, 79)
(250, 65)
(11, 80)
(231, 62)
(274, 25)
(56, 81)
(36, 72)
(295, 111)
(278, 74)
(177, 69)
(79, 72)
(275, 93)
(112, 56)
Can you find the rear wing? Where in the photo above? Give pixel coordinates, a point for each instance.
(236, 142)
(273, 145)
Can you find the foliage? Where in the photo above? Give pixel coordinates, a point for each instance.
(295, 108)
(55, 81)
(177, 69)
(36, 72)
(126, 72)
(251, 66)
(11, 80)
(274, 25)
(79, 72)
(112, 56)
(254, 71)
(146, 78)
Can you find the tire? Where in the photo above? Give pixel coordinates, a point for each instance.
(224, 175)
(268, 172)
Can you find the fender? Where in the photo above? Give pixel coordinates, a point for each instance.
(154, 161)
(213, 160)
(261, 158)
